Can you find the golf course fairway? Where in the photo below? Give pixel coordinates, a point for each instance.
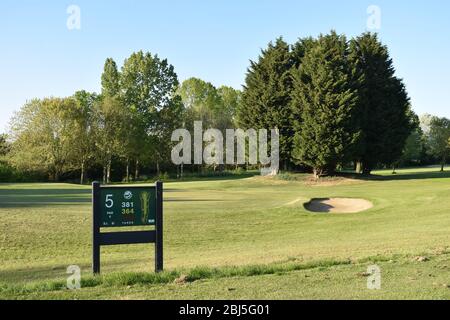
(239, 238)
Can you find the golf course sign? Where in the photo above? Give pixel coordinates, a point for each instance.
(127, 206)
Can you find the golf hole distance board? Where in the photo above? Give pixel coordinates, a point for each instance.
(127, 206)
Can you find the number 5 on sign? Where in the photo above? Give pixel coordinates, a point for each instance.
(109, 203)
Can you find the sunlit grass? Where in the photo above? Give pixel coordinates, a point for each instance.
(226, 225)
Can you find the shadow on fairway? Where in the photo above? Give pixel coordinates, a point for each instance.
(35, 273)
(399, 176)
(34, 198)
(194, 200)
(217, 178)
(43, 192)
(22, 275)
(28, 198)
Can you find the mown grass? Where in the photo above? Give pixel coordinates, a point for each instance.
(239, 227)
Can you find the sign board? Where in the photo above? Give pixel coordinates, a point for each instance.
(127, 206)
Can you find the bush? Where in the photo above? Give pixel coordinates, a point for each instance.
(163, 176)
(224, 173)
(288, 176)
(10, 174)
(6, 173)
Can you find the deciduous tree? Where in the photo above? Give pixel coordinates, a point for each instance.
(5, 146)
(439, 139)
(110, 79)
(41, 132)
(82, 135)
(148, 88)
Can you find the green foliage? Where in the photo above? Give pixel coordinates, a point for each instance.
(324, 105)
(82, 137)
(131, 121)
(266, 96)
(42, 133)
(110, 79)
(201, 101)
(439, 138)
(5, 145)
(162, 176)
(385, 119)
(333, 102)
(414, 148)
(230, 100)
(287, 176)
(9, 173)
(148, 88)
(215, 107)
(109, 127)
(148, 84)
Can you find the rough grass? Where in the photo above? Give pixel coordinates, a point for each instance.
(195, 274)
(403, 277)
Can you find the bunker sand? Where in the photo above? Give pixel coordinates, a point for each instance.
(338, 205)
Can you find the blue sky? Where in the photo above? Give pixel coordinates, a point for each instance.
(213, 40)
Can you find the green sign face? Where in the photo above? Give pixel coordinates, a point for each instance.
(124, 207)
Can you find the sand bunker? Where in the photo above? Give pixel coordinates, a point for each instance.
(338, 205)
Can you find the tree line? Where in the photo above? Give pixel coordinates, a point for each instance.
(336, 102)
(127, 126)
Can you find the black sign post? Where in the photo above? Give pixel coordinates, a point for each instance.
(119, 206)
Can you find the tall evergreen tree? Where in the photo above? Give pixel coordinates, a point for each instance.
(266, 95)
(299, 50)
(324, 104)
(385, 118)
(110, 79)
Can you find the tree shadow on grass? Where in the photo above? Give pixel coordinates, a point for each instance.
(43, 192)
(213, 178)
(35, 198)
(399, 176)
(194, 200)
(36, 273)
(18, 198)
(30, 274)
